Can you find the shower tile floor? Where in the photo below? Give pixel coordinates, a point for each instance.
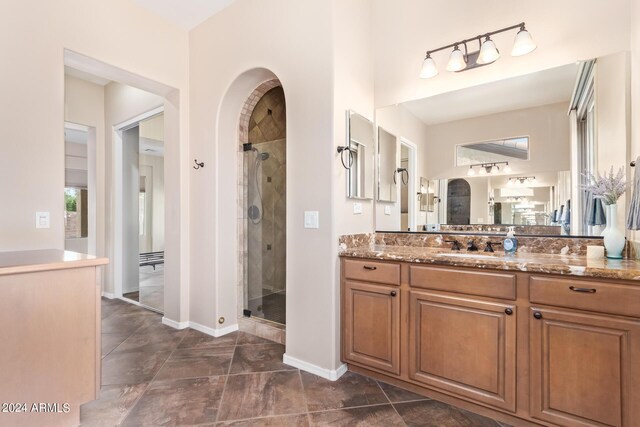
(270, 307)
(153, 375)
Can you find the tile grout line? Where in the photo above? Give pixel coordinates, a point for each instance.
(150, 382)
(390, 402)
(226, 378)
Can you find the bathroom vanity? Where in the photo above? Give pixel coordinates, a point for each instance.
(534, 339)
(50, 336)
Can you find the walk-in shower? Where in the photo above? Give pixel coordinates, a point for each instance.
(264, 167)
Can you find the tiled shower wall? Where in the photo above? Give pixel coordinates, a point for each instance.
(252, 325)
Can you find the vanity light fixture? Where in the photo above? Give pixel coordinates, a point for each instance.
(488, 168)
(487, 52)
(521, 180)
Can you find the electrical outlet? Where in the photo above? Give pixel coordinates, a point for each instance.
(387, 210)
(357, 208)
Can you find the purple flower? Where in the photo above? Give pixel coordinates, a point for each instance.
(608, 188)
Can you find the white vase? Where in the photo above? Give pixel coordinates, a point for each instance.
(614, 240)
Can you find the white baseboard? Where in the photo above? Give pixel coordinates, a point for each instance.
(213, 332)
(329, 374)
(174, 324)
(108, 295)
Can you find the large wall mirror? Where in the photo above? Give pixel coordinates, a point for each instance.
(361, 143)
(512, 152)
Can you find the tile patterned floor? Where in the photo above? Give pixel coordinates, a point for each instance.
(154, 375)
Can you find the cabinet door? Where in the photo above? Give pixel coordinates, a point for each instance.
(584, 369)
(464, 346)
(372, 325)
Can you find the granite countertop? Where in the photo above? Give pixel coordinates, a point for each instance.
(570, 265)
(45, 259)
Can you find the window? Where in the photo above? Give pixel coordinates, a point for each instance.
(75, 213)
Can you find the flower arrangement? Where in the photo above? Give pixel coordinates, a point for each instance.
(607, 188)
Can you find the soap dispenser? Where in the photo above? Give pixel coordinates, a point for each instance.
(510, 243)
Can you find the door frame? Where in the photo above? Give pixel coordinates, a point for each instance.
(92, 216)
(412, 184)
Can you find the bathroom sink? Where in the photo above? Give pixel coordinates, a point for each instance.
(470, 256)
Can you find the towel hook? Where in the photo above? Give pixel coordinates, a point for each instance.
(198, 164)
(632, 164)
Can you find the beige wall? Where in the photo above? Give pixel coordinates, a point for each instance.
(32, 41)
(402, 123)
(547, 127)
(613, 116)
(565, 31)
(264, 41)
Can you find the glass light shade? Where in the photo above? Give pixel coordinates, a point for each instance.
(533, 181)
(510, 182)
(507, 169)
(523, 44)
(483, 171)
(471, 171)
(488, 52)
(456, 61)
(429, 68)
(495, 170)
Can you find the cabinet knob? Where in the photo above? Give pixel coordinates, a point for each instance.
(537, 315)
(508, 311)
(393, 293)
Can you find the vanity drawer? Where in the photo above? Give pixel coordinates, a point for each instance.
(482, 283)
(372, 271)
(583, 295)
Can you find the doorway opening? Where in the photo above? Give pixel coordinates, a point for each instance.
(407, 177)
(79, 188)
(263, 201)
(142, 194)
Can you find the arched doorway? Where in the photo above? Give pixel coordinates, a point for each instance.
(458, 202)
(263, 143)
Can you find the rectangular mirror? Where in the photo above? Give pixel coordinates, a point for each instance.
(387, 165)
(361, 142)
(513, 151)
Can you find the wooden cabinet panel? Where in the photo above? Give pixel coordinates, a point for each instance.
(371, 325)
(464, 346)
(482, 283)
(372, 271)
(585, 295)
(584, 369)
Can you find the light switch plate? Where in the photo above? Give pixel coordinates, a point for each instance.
(311, 219)
(43, 220)
(357, 208)
(387, 210)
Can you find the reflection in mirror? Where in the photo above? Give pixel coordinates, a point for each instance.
(497, 151)
(387, 165)
(361, 153)
(482, 146)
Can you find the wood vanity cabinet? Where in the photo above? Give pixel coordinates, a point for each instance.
(371, 315)
(464, 346)
(528, 349)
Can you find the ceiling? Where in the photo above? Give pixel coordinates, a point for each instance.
(76, 136)
(531, 90)
(82, 75)
(186, 14)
